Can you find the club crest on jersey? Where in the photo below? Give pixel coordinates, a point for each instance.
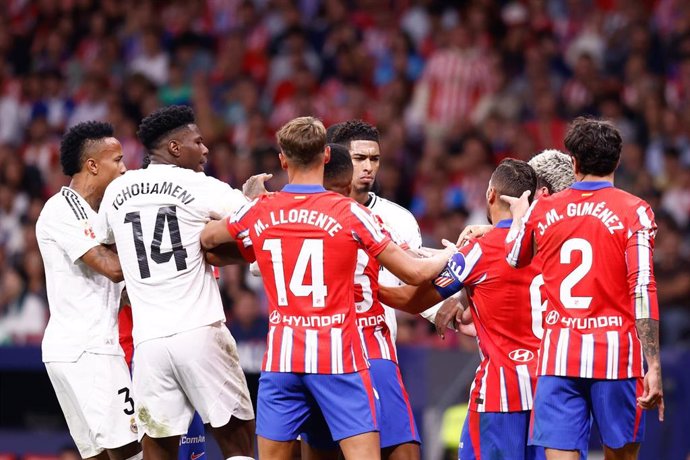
(88, 230)
(133, 425)
(521, 355)
(445, 279)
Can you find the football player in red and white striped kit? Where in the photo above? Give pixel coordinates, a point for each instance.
(596, 245)
(305, 241)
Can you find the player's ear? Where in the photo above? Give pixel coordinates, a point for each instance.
(91, 166)
(491, 195)
(283, 161)
(541, 192)
(174, 148)
(327, 154)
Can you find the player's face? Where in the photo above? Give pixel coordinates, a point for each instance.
(366, 157)
(193, 154)
(109, 161)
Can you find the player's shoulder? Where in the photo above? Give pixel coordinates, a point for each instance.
(626, 199)
(389, 210)
(65, 204)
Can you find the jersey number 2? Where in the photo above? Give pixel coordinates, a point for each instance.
(312, 254)
(165, 214)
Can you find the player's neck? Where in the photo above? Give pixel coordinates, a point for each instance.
(500, 213)
(310, 176)
(360, 196)
(87, 190)
(592, 178)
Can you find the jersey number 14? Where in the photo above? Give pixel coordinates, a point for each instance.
(165, 214)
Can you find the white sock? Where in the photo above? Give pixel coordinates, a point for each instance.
(138, 456)
(240, 457)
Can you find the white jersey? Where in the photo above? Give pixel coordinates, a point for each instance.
(155, 216)
(402, 223)
(83, 303)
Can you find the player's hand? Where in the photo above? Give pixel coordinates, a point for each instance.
(472, 231)
(653, 395)
(449, 248)
(445, 315)
(518, 206)
(465, 322)
(256, 186)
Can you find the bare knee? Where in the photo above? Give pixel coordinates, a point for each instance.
(555, 454)
(627, 452)
(124, 452)
(406, 451)
(160, 448)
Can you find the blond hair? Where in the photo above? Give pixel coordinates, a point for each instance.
(302, 140)
(554, 170)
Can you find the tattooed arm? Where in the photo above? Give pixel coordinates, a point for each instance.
(653, 396)
(104, 261)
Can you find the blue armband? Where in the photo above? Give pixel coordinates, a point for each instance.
(448, 282)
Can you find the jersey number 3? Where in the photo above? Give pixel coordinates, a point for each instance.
(165, 214)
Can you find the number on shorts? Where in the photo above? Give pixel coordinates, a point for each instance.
(128, 400)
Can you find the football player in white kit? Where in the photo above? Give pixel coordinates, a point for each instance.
(185, 357)
(81, 350)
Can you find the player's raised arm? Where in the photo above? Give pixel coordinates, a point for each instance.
(214, 234)
(411, 270)
(642, 284)
(411, 299)
(520, 240)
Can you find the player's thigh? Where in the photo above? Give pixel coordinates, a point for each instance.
(270, 449)
(96, 397)
(497, 435)
(365, 445)
(616, 413)
(396, 422)
(347, 402)
(162, 408)
(562, 412)
(283, 407)
(208, 368)
(627, 452)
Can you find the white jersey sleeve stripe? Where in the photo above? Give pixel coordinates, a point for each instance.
(368, 222)
(642, 306)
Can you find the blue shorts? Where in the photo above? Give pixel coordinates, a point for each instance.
(290, 404)
(496, 435)
(395, 418)
(193, 444)
(564, 408)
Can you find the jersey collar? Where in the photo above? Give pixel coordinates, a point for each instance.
(591, 185)
(303, 188)
(505, 223)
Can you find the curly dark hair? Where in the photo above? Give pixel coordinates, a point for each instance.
(163, 121)
(595, 144)
(330, 132)
(354, 130)
(76, 139)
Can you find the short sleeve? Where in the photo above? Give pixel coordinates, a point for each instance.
(367, 230)
(238, 226)
(223, 200)
(71, 230)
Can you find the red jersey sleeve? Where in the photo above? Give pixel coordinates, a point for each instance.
(367, 230)
(639, 252)
(519, 243)
(238, 226)
(463, 268)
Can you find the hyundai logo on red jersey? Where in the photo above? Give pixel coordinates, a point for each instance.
(552, 318)
(274, 317)
(521, 355)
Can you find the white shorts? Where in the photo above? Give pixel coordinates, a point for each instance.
(96, 398)
(197, 369)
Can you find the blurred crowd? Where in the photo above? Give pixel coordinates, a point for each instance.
(453, 87)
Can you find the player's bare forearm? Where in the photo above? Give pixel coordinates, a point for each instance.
(410, 299)
(214, 234)
(648, 332)
(104, 261)
(411, 270)
(224, 254)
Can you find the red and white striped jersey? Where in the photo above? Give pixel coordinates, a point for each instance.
(305, 241)
(596, 243)
(507, 307)
(371, 317)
